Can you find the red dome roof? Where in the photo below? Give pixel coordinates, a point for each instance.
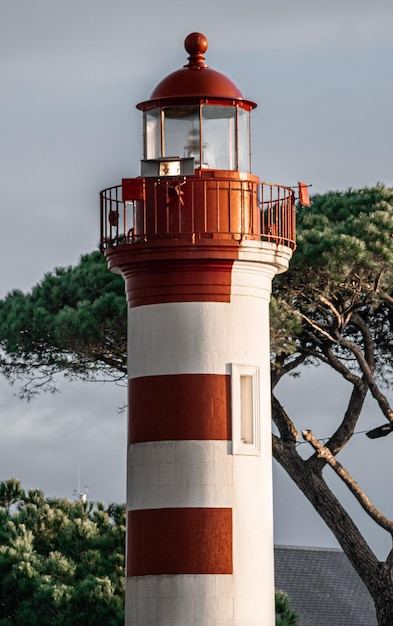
(194, 82)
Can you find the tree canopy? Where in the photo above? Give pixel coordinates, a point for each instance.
(61, 562)
(73, 322)
(285, 616)
(334, 306)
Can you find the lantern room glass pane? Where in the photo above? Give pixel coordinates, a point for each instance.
(181, 132)
(219, 137)
(244, 141)
(152, 134)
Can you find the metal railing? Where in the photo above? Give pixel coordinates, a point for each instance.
(195, 209)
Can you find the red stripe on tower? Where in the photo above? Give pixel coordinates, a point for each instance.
(179, 541)
(179, 407)
(181, 281)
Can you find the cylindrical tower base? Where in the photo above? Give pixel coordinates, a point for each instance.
(199, 501)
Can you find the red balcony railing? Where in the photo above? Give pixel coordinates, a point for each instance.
(193, 209)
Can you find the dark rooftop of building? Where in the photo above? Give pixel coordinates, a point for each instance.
(323, 587)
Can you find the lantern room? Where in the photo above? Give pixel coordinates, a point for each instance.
(196, 118)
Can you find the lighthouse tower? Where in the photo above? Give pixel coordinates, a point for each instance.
(198, 240)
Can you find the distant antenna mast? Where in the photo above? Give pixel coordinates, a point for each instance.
(78, 494)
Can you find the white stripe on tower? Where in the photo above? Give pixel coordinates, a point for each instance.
(199, 514)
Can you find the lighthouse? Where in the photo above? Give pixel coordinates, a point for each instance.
(198, 240)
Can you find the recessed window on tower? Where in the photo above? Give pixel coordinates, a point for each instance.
(245, 409)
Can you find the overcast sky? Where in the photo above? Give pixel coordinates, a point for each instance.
(71, 74)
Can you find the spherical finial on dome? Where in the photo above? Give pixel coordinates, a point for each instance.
(196, 45)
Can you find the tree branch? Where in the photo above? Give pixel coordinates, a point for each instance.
(324, 453)
(311, 483)
(339, 366)
(369, 355)
(369, 378)
(283, 422)
(317, 327)
(347, 427)
(280, 371)
(333, 310)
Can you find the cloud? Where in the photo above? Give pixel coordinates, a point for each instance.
(47, 442)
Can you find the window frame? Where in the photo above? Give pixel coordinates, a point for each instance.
(239, 370)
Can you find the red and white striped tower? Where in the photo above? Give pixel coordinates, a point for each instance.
(198, 240)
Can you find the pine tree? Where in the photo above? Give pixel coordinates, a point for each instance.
(61, 562)
(285, 616)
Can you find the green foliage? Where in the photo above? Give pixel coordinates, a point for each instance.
(346, 238)
(61, 562)
(285, 616)
(343, 266)
(347, 232)
(10, 492)
(74, 321)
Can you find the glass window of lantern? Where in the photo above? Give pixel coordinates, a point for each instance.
(244, 164)
(152, 134)
(181, 132)
(219, 137)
